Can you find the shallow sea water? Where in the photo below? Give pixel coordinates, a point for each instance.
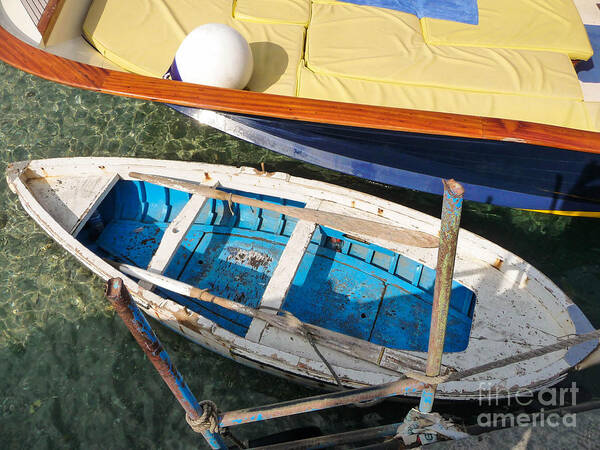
(71, 376)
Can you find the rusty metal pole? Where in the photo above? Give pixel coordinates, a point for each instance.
(404, 387)
(450, 223)
(145, 337)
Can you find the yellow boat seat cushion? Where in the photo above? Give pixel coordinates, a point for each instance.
(142, 36)
(547, 110)
(354, 54)
(390, 49)
(552, 25)
(273, 11)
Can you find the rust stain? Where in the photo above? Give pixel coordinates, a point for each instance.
(140, 291)
(185, 318)
(357, 239)
(498, 263)
(263, 173)
(207, 176)
(380, 211)
(29, 174)
(251, 258)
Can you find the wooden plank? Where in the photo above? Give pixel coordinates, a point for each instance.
(340, 222)
(175, 233)
(284, 273)
(71, 73)
(101, 193)
(72, 199)
(173, 236)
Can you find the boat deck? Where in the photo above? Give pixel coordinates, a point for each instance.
(35, 9)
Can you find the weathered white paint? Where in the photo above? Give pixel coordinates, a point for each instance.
(517, 307)
(71, 201)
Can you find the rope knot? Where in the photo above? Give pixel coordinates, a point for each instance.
(208, 421)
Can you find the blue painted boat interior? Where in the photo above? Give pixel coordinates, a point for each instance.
(342, 284)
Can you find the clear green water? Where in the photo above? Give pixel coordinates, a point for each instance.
(71, 375)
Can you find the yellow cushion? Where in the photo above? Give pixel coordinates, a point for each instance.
(273, 11)
(553, 25)
(354, 54)
(551, 111)
(277, 50)
(390, 48)
(360, 38)
(147, 44)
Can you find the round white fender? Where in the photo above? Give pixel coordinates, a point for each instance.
(216, 55)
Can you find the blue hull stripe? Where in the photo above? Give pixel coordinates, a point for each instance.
(497, 172)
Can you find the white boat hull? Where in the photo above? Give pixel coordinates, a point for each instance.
(517, 308)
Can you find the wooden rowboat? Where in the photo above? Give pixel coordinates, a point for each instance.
(543, 167)
(364, 295)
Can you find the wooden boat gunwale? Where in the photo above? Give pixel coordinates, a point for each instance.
(208, 334)
(23, 56)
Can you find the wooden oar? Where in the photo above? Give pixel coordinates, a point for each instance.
(350, 346)
(340, 222)
(190, 291)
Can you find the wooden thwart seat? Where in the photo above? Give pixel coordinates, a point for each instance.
(286, 269)
(173, 236)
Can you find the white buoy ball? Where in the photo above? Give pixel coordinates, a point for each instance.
(216, 55)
